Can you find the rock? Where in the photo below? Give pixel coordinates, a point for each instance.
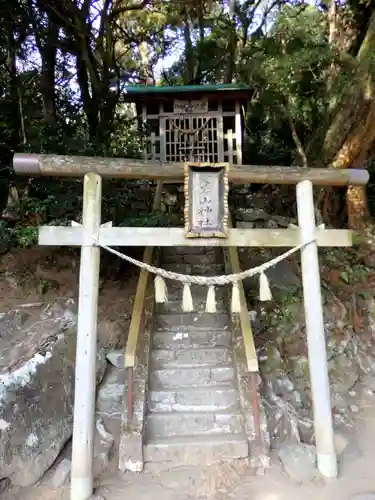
(354, 408)
(282, 221)
(270, 359)
(253, 316)
(116, 358)
(282, 385)
(241, 224)
(61, 473)
(299, 461)
(366, 394)
(306, 428)
(335, 347)
(271, 224)
(103, 444)
(252, 214)
(345, 447)
(300, 367)
(339, 402)
(36, 392)
(371, 316)
(343, 373)
(110, 334)
(4, 484)
(296, 399)
(109, 401)
(341, 442)
(12, 321)
(366, 363)
(369, 381)
(284, 277)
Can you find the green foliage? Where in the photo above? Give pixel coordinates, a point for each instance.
(75, 105)
(22, 236)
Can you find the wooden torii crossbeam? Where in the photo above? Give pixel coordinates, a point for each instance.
(92, 234)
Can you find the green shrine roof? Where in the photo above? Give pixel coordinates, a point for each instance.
(134, 91)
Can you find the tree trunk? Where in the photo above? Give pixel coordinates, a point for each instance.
(189, 52)
(358, 213)
(232, 43)
(14, 115)
(351, 135)
(46, 36)
(89, 106)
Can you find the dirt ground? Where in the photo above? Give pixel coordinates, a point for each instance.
(231, 480)
(44, 282)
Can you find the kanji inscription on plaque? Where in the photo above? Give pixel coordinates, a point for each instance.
(206, 200)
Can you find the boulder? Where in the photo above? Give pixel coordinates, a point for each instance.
(103, 445)
(36, 389)
(343, 372)
(299, 461)
(62, 473)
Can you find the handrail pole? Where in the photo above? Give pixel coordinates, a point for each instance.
(135, 322)
(248, 340)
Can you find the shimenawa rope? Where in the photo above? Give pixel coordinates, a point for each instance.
(209, 281)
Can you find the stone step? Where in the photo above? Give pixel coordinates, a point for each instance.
(190, 339)
(190, 357)
(195, 258)
(193, 450)
(175, 306)
(194, 399)
(187, 377)
(198, 292)
(196, 269)
(170, 251)
(205, 321)
(161, 425)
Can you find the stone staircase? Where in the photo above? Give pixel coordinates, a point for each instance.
(193, 411)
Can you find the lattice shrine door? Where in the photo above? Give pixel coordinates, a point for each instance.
(191, 133)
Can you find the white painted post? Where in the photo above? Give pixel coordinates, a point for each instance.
(85, 368)
(323, 425)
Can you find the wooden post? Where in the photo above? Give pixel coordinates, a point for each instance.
(153, 145)
(144, 127)
(238, 134)
(326, 456)
(230, 146)
(85, 374)
(220, 133)
(162, 133)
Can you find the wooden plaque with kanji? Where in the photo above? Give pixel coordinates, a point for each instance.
(206, 200)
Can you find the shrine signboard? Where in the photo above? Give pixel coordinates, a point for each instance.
(190, 107)
(206, 200)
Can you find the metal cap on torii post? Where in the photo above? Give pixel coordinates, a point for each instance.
(91, 235)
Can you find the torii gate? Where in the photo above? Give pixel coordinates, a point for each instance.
(214, 231)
